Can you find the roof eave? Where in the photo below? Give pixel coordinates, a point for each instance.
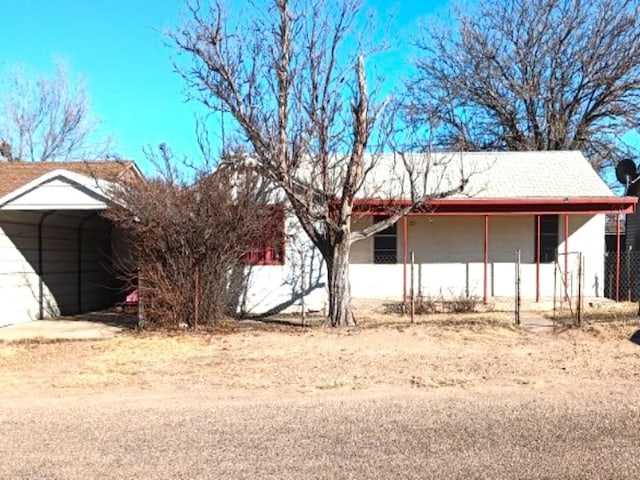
(97, 186)
(505, 206)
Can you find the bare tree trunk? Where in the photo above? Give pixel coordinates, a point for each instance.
(340, 314)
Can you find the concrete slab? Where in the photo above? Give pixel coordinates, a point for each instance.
(58, 330)
(537, 323)
(73, 328)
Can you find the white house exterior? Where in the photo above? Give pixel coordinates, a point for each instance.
(549, 206)
(55, 250)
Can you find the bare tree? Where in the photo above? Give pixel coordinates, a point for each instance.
(532, 75)
(290, 75)
(186, 239)
(47, 118)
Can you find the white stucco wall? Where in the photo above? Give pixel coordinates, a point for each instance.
(449, 254)
(280, 288)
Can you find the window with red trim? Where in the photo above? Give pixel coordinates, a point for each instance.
(268, 249)
(548, 240)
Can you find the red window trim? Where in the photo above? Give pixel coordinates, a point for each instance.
(270, 255)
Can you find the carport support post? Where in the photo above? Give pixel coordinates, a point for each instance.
(80, 239)
(486, 259)
(41, 266)
(79, 279)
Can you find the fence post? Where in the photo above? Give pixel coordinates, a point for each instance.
(517, 299)
(555, 288)
(629, 273)
(196, 299)
(579, 305)
(412, 290)
(303, 288)
(140, 299)
(610, 284)
(617, 257)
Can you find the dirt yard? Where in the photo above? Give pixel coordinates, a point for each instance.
(383, 353)
(276, 401)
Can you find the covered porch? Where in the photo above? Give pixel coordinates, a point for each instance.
(469, 247)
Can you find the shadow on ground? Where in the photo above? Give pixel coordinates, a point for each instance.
(110, 318)
(287, 322)
(635, 338)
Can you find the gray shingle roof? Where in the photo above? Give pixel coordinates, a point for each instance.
(557, 174)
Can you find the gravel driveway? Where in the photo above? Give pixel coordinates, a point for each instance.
(510, 432)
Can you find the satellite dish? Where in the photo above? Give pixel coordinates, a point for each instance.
(626, 171)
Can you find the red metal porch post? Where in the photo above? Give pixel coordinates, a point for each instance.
(537, 258)
(486, 258)
(617, 257)
(404, 259)
(566, 256)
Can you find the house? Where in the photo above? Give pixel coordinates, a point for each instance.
(57, 254)
(548, 206)
(56, 251)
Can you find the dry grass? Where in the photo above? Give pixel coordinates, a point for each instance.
(617, 314)
(372, 314)
(386, 351)
(472, 321)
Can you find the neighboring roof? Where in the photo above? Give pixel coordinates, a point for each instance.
(610, 227)
(14, 175)
(491, 175)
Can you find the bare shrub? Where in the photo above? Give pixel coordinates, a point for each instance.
(462, 303)
(392, 308)
(425, 305)
(189, 242)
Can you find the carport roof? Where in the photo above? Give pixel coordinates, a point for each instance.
(14, 175)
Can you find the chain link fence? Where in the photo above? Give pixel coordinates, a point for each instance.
(622, 275)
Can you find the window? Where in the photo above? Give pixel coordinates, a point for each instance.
(385, 244)
(269, 248)
(548, 238)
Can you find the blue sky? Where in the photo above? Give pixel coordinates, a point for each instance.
(117, 45)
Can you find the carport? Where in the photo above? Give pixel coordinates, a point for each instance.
(58, 254)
